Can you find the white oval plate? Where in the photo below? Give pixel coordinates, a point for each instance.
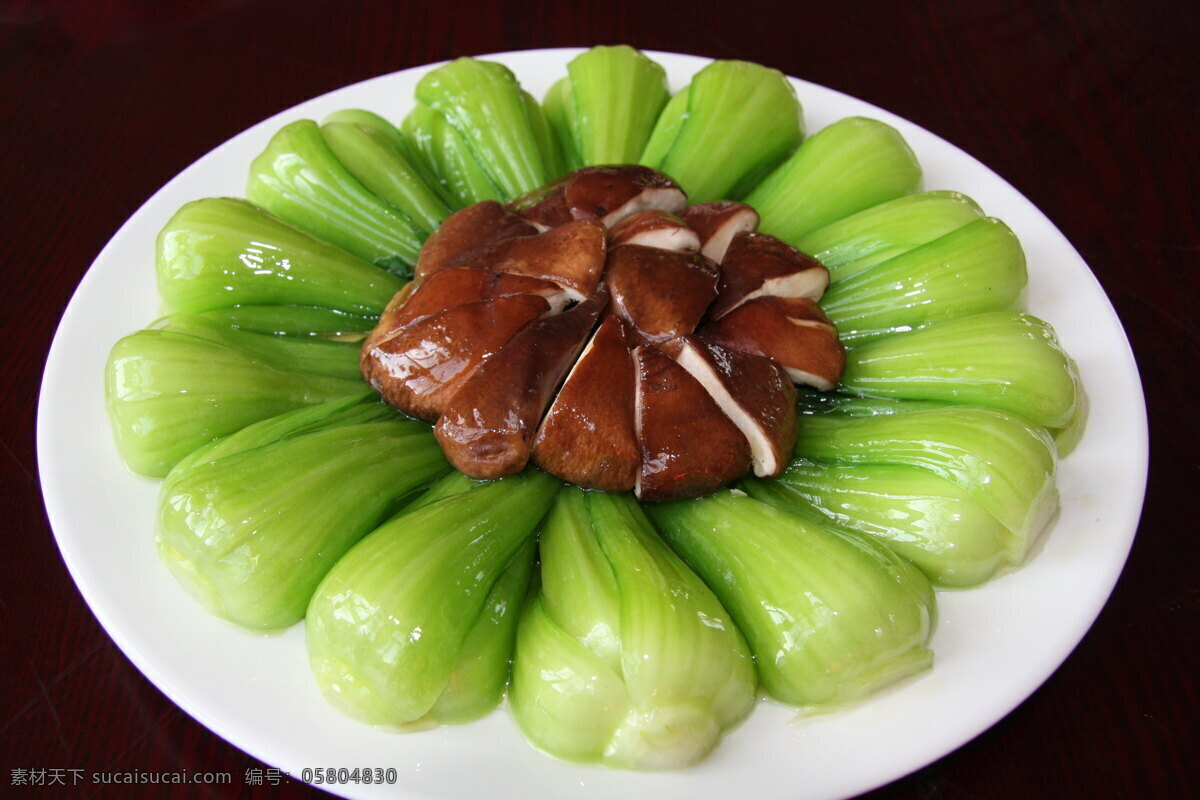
(994, 645)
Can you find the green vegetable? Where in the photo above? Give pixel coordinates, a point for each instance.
(478, 679)
(222, 252)
(742, 119)
(979, 267)
(548, 144)
(1067, 438)
(829, 616)
(923, 517)
(385, 129)
(625, 657)
(422, 606)
(482, 101)
(810, 401)
(332, 359)
(558, 106)
(299, 179)
(1003, 359)
(853, 164)
(666, 129)
(477, 683)
(444, 153)
(177, 386)
(618, 94)
(374, 123)
(874, 235)
(386, 170)
(1002, 461)
(451, 485)
(251, 524)
(294, 321)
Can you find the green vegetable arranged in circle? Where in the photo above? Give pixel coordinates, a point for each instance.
(622, 403)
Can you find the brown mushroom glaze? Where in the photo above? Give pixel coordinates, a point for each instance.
(717, 223)
(467, 230)
(690, 447)
(654, 228)
(661, 294)
(616, 337)
(455, 286)
(607, 194)
(487, 428)
(793, 331)
(757, 265)
(417, 367)
(588, 435)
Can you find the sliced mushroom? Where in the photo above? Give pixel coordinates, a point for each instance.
(758, 265)
(401, 297)
(689, 447)
(570, 255)
(717, 223)
(466, 230)
(486, 430)
(545, 207)
(485, 334)
(654, 228)
(611, 194)
(454, 286)
(587, 437)
(420, 367)
(753, 391)
(660, 293)
(791, 330)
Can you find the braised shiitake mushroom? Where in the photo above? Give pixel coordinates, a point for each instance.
(616, 337)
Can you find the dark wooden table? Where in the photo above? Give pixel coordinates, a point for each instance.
(1090, 109)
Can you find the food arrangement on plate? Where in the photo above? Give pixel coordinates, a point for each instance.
(714, 405)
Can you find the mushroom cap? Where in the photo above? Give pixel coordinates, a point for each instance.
(545, 207)
(454, 286)
(660, 293)
(607, 193)
(717, 223)
(466, 230)
(419, 367)
(689, 446)
(486, 429)
(754, 392)
(501, 315)
(571, 255)
(588, 437)
(791, 330)
(611, 194)
(654, 228)
(758, 265)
